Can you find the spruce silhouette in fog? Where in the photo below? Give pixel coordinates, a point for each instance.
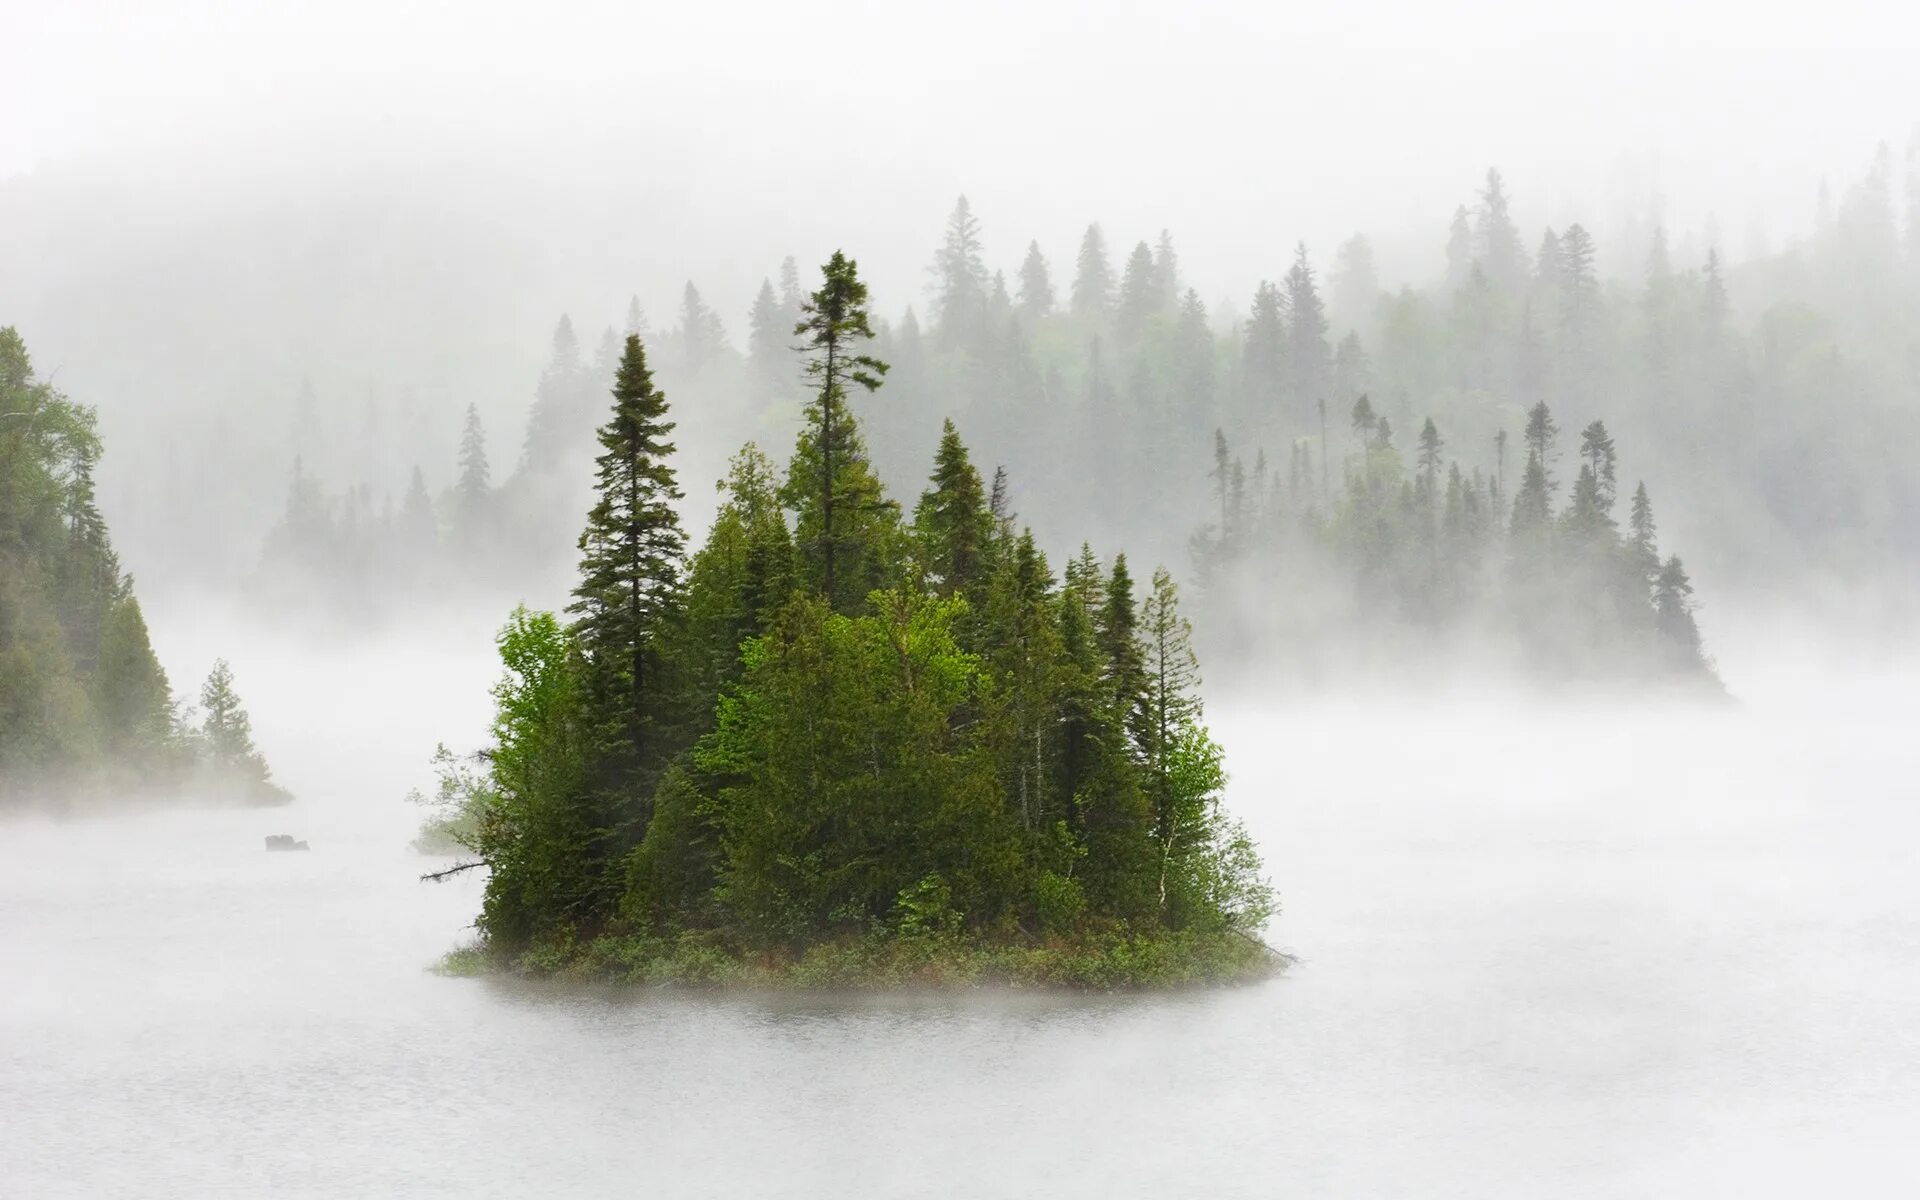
(86, 712)
(851, 749)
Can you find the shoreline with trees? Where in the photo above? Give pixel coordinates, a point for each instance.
(839, 745)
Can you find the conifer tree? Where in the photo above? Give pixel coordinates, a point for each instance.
(1497, 240)
(1139, 295)
(1093, 277)
(1170, 706)
(1118, 633)
(558, 401)
(1264, 353)
(767, 334)
(1035, 298)
(632, 554)
(701, 336)
(960, 282)
(1166, 274)
(1642, 548)
(474, 491)
(1713, 294)
(1459, 250)
(843, 512)
(1307, 353)
(955, 522)
(1673, 609)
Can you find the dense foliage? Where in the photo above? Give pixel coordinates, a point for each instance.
(1760, 398)
(85, 708)
(902, 739)
(1441, 560)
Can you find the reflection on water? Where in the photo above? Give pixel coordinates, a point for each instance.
(1543, 954)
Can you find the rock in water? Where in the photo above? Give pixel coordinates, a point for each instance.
(283, 841)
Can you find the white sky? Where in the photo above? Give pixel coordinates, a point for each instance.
(1243, 126)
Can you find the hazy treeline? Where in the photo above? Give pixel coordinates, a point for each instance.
(838, 719)
(1762, 397)
(85, 708)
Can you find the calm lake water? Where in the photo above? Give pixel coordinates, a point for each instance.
(1543, 953)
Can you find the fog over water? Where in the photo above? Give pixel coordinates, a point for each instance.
(1228, 287)
(1572, 952)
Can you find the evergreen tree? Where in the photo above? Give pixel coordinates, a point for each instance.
(955, 523)
(1459, 250)
(1307, 352)
(632, 555)
(473, 494)
(700, 335)
(1264, 353)
(1035, 298)
(1166, 274)
(1093, 277)
(1713, 297)
(1497, 239)
(960, 282)
(1139, 295)
(558, 401)
(767, 334)
(844, 518)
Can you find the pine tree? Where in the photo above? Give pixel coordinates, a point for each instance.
(1117, 632)
(1264, 354)
(1035, 298)
(1307, 353)
(1713, 297)
(767, 334)
(1580, 285)
(1597, 452)
(955, 522)
(1540, 434)
(843, 513)
(632, 556)
(557, 402)
(1673, 609)
(1139, 295)
(1497, 240)
(1093, 277)
(473, 494)
(1642, 548)
(1170, 709)
(1459, 250)
(701, 336)
(1166, 274)
(960, 282)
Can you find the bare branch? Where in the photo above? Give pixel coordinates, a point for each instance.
(455, 869)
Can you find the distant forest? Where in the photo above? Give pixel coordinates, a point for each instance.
(1761, 402)
(86, 712)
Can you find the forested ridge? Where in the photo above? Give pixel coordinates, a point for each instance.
(845, 741)
(1758, 399)
(86, 712)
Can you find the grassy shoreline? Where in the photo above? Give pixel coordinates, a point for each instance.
(1114, 961)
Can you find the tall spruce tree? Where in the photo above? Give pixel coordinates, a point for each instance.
(632, 555)
(955, 522)
(1093, 277)
(843, 514)
(1035, 296)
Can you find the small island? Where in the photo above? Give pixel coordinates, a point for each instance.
(842, 745)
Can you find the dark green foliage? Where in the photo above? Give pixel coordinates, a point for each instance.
(847, 531)
(85, 708)
(918, 736)
(629, 596)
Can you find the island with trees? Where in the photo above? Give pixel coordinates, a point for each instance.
(87, 716)
(845, 744)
